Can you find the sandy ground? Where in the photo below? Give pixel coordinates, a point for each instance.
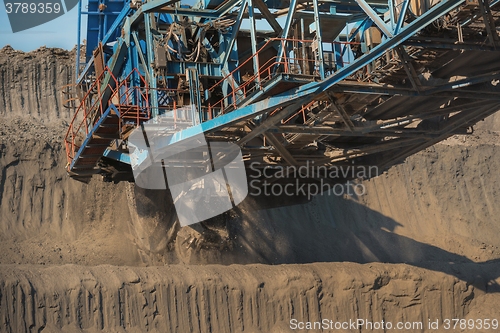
(421, 244)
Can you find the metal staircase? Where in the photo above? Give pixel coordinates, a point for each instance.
(100, 122)
(82, 166)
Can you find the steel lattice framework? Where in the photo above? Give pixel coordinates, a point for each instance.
(332, 82)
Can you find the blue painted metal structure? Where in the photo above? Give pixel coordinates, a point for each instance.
(103, 19)
(275, 76)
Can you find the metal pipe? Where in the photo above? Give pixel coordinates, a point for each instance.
(319, 40)
(77, 69)
(253, 41)
(401, 17)
(286, 28)
(150, 55)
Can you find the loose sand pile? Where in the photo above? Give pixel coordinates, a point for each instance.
(433, 220)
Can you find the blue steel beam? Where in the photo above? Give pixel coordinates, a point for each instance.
(391, 14)
(153, 84)
(286, 29)
(319, 40)
(117, 156)
(465, 82)
(374, 17)
(401, 17)
(141, 54)
(117, 23)
(365, 24)
(345, 87)
(274, 119)
(449, 46)
(253, 41)
(492, 3)
(100, 16)
(268, 15)
(78, 37)
(205, 69)
(234, 32)
(161, 6)
(210, 49)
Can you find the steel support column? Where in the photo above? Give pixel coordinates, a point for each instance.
(286, 29)
(253, 41)
(319, 40)
(375, 18)
(153, 84)
(401, 17)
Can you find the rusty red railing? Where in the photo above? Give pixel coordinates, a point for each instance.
(272, 67)
(132, 103)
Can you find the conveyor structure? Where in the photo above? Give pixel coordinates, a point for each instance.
(291, 82)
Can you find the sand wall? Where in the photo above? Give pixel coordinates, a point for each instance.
(31, 83)
(223, 299)
(441, 204)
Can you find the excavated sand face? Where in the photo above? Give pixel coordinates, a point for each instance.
(236, 298)
(435, 219)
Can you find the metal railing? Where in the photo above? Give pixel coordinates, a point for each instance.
(131, 101)
(276, 65)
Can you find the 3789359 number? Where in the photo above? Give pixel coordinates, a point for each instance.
(32, 8)
(480, 324)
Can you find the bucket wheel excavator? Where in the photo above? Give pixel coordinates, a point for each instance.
(290, 82)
